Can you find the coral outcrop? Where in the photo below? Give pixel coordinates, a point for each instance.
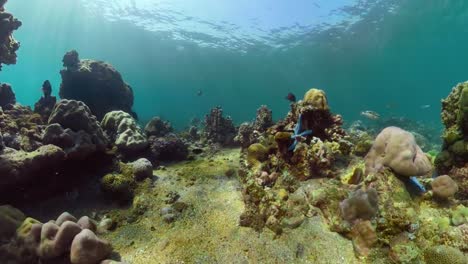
(453, 159)
(19, 167)
(21, 128)
(124, 132)
(250, 133)
(7, 96)
(96, 83)
(397, 149)
(75, 129)
(219, 129)
(308, 143)
(65, 240)
(46, 103)
(8, 45)
(158, 127)
(168, 148)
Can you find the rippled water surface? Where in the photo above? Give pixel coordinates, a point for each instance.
(390, 56)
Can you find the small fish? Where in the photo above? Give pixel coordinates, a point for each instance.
(370, 115)
(199, 93)
(291, 97)
(425, 106)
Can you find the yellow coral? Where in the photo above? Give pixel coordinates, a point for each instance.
(316, 98)
(256, 153)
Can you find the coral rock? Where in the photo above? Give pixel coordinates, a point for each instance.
(87, 248)
(142, 169)
(17, 167)
(125, 132)
(96, 83)
(361, 205)
(397, 149)
(46, 103)
(168, 148)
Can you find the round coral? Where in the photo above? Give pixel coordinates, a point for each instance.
(444, 187)
(397, 149)
(316, 98)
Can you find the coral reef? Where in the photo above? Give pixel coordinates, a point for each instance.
(46, 103)
(18, 167)
(8, 45)
(250, 133)
(158, 127)
(453, 160)
(397, 149)
(65, 240)
(75, 129)
(124, 132)
(96, 83)
(122, 184)
(219, 129)
(284, 156)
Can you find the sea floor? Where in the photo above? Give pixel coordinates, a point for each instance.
(207, 230)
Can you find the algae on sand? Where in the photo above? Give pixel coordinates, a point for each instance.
(207, 231)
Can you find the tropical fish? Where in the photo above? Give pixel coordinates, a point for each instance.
(291, 97)
(370, 115)
(425, 106)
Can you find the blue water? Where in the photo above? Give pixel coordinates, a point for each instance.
(387, 56)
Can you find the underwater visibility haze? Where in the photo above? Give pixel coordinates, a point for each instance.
(209, 131)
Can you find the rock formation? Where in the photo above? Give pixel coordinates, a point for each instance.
(95, 83)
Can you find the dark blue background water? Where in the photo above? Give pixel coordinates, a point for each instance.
(393, 61)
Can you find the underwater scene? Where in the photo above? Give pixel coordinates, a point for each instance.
(222, 131)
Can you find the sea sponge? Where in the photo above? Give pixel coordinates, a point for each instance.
(444, 187)
(364, 237)
(444, 255)
(397, 149)
(361, 205)
(317, 99)
(88, 248)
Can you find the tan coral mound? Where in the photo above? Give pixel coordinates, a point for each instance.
(397, 149)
